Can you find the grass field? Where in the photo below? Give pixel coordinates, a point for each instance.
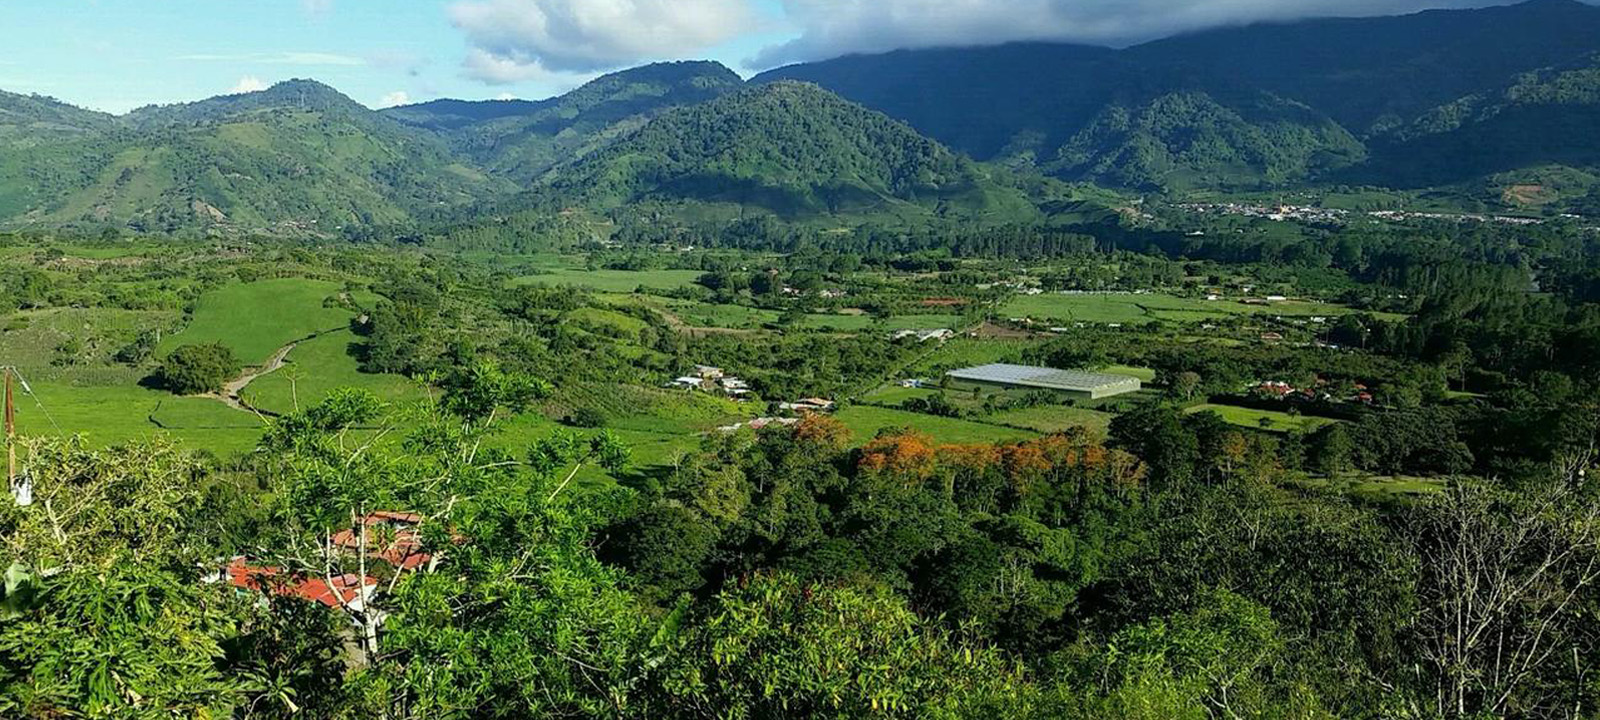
(107, 416)
(1130, 308)
(1145, 375)
(967, 352)
(1252, 418)
(1054, 418)
(865, 422)
(622, 281)
(317, 367)
(256, 319)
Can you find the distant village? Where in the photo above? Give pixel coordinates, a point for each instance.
(1322, 215)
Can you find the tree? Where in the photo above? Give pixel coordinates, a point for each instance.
(1186, 384)
(118, 624)
(196, 369)
(1212, 660)
(1331, 450)
(1507, 589)
(1158, 434)
(774, 647)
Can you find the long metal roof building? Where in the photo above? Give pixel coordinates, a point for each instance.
(1095, 385)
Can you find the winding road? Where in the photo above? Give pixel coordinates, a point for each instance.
(232, 390)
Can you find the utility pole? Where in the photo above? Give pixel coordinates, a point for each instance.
(11, 435)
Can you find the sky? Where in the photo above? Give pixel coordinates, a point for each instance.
(116, 55)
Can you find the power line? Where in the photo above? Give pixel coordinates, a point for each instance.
(27, 390)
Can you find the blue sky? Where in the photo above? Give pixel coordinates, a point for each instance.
(115, 55)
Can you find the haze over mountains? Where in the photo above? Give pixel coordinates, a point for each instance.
(1472, 100)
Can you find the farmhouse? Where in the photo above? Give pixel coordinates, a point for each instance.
(1073, 383)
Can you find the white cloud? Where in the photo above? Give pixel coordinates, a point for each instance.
(516, 40)
(502, 70)
(317, 8)
(829, 28)
(505, 96)
(398, 97)
(248, 84)
(283, 58)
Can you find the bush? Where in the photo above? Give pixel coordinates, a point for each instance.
(195, 369)
(585, 418)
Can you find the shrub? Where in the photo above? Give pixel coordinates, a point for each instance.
(194, 369)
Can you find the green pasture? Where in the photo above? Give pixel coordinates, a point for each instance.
(865, 421)
(1252, 418)
(113, 415)
(1054, 419)
(317, 367)
(1129, 308)
(255, 319)
(622, 281)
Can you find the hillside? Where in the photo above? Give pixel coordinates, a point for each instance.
(1270, 105)
(1189, 140)
(1369, 73)
(297, 156)
(987, 102)
(791, 148)
(1543, 118)
(39, 157)
(522, 140)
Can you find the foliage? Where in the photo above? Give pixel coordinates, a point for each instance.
(195, 369)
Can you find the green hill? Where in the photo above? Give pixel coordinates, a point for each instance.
(39, 156)
(522, 141)
(1189, 140)
(1263, 105)
(790, 148)
(1543, 118)
(299, 156)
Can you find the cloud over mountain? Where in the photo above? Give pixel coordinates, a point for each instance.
(514, 40)
(828, 28)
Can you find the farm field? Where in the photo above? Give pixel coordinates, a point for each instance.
(1054, 419)
(1136, 308)
(255, 319)
(619, 281)
(106, 416)
(967, 352)
(865, 421)
(1252, 418)
(317, 367)
(1042, 419)
(1145, 375)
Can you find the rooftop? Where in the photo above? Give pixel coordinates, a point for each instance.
(1040, 377)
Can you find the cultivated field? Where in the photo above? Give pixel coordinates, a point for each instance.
(1128, 308)
(255, 319)
(1274, 421)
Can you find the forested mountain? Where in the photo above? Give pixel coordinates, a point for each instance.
(791, 148)
(1498, 104)
(1188, 139)
(1543, 118)
(1267, 105)
(36, 162)
(299, 155)
(522, 141)
(1369, 73)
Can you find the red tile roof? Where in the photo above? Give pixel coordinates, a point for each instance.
(260, 578)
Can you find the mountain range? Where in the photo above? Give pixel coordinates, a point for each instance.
(1504, 98)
